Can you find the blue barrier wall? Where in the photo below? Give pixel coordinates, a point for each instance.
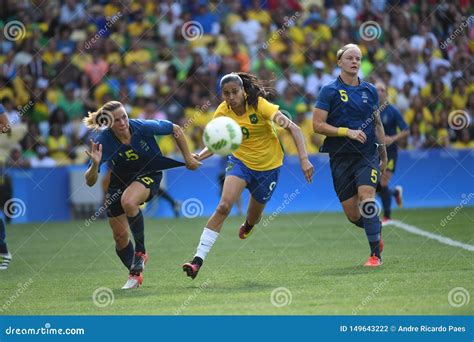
(434, 178)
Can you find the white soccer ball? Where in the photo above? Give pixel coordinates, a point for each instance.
(222, 136)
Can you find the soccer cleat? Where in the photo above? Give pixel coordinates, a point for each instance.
(386, 221)
(5, 260)
(139, 261)
(245, 230)
(373, 261)
(133, 282)
(191, 269)
(399, 196)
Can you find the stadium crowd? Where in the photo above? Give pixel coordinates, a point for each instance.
(164, 60)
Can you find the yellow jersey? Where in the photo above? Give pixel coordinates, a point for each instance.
(260, 149)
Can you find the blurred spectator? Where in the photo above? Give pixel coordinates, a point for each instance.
(97, 68)
(315, 81)
(58, 145)
(68, 102)
(248, 29)
(42, 159)
(77, 54)
(16, 160)
(72, 13)
(465, 141)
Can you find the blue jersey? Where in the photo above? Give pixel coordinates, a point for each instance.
(2, 109)
(142, 156)
(392, 120)
(351, 107)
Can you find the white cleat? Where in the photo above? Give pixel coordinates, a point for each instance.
(133, 282)
(5, 260)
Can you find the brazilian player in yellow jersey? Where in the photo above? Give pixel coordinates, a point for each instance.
(256, 163)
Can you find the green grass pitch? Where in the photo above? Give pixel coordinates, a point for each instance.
(316, 258)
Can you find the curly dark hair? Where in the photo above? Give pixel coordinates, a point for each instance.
(252, 85)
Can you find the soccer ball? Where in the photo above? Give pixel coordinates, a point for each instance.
(222, 136)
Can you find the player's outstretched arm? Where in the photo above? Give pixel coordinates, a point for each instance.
(204, 154)
(92, 172)
(191, 162)
(322, 127)
(298, 138)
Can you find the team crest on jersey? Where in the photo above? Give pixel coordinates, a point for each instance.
(144, 145)
(364, 97)
(253, 118)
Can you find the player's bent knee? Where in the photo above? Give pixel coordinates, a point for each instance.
(223, 208)
(129, 206)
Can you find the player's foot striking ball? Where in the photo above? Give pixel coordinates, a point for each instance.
(135, 160)
(256, 163)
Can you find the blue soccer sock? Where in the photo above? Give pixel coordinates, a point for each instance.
(386, 196)
(126, 254)
(3, 244)
(372, 230)
(137, 227)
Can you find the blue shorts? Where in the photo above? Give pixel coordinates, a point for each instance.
(351, 171)
(114, 194)
(261, 184)
(392, 157)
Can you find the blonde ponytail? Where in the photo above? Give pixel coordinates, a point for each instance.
(102, 116)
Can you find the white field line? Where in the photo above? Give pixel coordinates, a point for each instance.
(439, 238)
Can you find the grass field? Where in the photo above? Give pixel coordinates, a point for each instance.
(57, 267)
